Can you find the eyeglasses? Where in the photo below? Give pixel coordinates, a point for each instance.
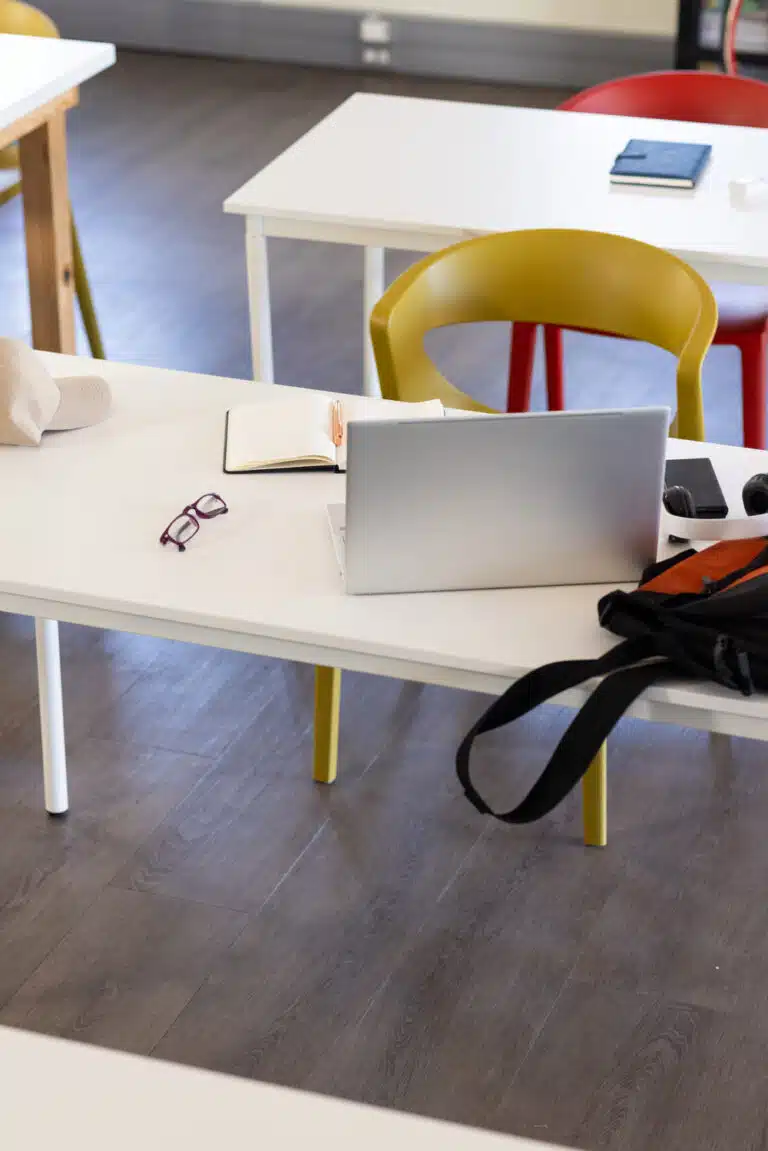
(187, 523)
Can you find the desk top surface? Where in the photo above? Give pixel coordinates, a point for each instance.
(71, 1096)
(454, 169)
(82, 515)
(34, 71)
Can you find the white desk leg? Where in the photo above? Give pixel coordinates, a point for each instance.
(51, 716)
(259, 301)
(373, 290)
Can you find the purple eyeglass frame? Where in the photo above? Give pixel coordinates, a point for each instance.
(194, 513)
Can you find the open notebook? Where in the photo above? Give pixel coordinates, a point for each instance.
(297, 432)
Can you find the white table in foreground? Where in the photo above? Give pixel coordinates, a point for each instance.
(82, 515)
(56, 1093)
(395, 172)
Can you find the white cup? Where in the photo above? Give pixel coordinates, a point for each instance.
(749, 193)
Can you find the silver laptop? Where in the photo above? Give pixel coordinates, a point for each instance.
(501, 501)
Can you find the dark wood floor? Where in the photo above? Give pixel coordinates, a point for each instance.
(205, 902)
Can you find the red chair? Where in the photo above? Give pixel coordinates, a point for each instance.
(703, 97)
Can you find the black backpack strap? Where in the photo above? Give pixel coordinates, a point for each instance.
(627, 678)
(656, 569)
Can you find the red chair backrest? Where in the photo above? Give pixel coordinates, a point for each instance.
(700, 97)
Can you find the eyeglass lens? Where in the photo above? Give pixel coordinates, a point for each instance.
(182, 529)
(209, 505)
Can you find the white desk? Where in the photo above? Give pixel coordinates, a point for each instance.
(35, 71)
(81, 519)
(38, 81)
(392, 172)
(61, 1094)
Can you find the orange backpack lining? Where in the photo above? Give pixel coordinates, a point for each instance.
(713, 562)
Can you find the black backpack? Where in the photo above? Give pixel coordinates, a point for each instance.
(701, 615)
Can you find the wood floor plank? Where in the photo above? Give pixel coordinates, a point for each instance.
(125, 788)
(50, 873)
(689, 920)
(124, 973)
(467, 997)
(192, 699)
(97, 669)
(392, 710)
(626, 1071)
(238, 834)
(232, 841)
(309, 964)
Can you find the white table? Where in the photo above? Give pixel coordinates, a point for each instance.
(81, 519)
(56, 1093)
(393, 172)
(38, 82)
(34, 71)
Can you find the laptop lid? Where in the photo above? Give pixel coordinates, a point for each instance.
(503, 501)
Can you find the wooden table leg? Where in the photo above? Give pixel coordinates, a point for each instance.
(43, 154)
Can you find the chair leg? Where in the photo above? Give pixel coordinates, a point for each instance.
(553, 358)
(83, 290)
(9, 194)
(82, 287)
(754, 364)
(595, 800)
(521, 356)
(327, 708)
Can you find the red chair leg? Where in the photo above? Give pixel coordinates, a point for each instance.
(521, 356)
(754, 364)
(553, 352)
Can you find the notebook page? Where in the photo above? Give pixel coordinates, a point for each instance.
(358, 408)
(285, 432)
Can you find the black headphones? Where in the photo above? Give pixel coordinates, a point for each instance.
(681, 521)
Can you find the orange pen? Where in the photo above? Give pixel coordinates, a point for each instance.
(337, 423)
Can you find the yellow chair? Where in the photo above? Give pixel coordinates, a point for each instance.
(22, 20)
(592, 278)
(571, 279)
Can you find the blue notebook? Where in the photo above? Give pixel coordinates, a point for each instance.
(661, 164)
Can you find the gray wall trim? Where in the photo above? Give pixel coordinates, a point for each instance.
(492, 52)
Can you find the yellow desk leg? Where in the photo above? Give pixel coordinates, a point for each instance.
(327, 708)
(595, 799)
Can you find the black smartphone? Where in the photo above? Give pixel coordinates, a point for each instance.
(699, 477)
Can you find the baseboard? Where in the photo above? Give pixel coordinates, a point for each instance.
(490, 52)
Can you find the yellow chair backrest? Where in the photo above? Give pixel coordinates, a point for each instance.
(19, 19)
(572, 279)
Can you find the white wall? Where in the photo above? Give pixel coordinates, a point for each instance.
(632, 17)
